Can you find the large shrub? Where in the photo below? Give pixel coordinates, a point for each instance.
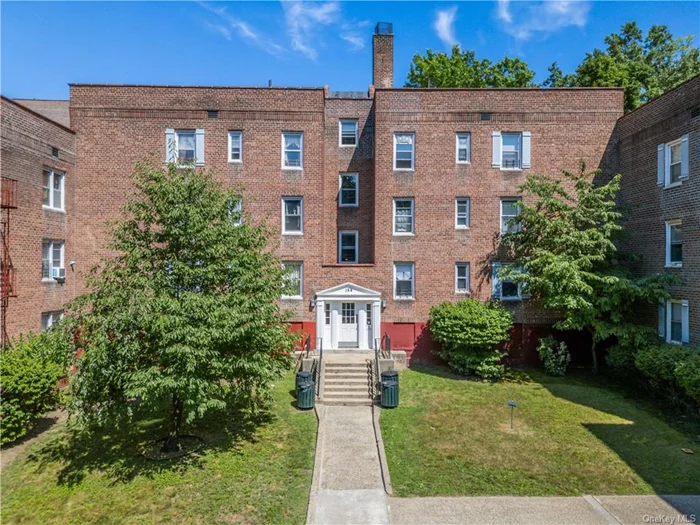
(671, 369)
(29, 373)
(470, 332)
(554, 355)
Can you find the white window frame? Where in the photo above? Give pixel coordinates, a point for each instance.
(467, 277)
(503, 228)
(231, 134)
(665, 320)
(667, 164)
(413, 150)
(52, 178)
(237, 208)
(340, 132)
(342, 203)
(413, 282)
(469, 147)
(468, 214)
(412, 200)
(519, 134)
(495, 274)
(669, 262)
(51, 244)
(49, 318)
(284, 216)
(356, 234)
(301, 151)
(300, 295)
(193, 132)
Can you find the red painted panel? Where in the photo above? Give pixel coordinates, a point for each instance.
(308, 328)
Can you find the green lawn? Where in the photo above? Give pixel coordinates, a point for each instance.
(572, 436)
(246, 474)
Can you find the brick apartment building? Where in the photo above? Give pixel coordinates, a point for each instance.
(386, 202)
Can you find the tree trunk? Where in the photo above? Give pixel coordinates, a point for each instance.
(593, 352)
(172, 444)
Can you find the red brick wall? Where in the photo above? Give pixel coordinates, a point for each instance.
(27, 142)
(648, 207)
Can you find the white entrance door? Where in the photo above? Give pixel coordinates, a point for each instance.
(347, 335)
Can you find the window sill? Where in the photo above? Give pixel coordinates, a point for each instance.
(348, 205)
(347, 145)
(404, 234)
(349, 263)
(405, 170)
(674, 266)
(235, 161)
(50, 208)
(405, 299)
(674, 185)
(467, 163)
(292, 169)
(292, 298)
(462, 292)
(462, 228)
(511, 170)
(293, 234)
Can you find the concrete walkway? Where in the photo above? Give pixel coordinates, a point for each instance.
(348, 488)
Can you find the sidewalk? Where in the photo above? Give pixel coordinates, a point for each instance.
(348, 488)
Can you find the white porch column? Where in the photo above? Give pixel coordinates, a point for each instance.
(376, 320)
(335, 328)
(361, 326)
(320, 322)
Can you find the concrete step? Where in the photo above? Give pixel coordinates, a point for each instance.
(346, 381)
(346, 365)
(330, 389)
(347, 402)
(346, 395)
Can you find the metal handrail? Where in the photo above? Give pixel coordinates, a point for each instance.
(319, 368)
(375, 382)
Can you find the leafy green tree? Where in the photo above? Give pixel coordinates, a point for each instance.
(645, 67)
(186, 311)
(566, 256)
(464, 69)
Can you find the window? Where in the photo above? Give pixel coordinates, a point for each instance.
(184, 145)
(348, 190)
(294, 275)
(504, 288)
(348, 133)
(347, 311)
(403, 216)
(674, 244)
(49, 318)
(672, 164)
(404, 280)
(236, 212)
(463, 148)
(509, 210)
(511, 151)
(235, 146)
(462, 277)
(52, 189)
(52, 260)
(369, 313)
(292, 151)
(462, 212)
(347, 247)
(292, 215)
(674, 319)
(404, 149)
(327, 312)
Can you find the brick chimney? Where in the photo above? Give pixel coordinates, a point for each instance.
(383, 55)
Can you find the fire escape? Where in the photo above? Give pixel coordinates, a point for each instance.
(8, 276)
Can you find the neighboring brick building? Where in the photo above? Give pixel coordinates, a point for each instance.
(660, 162)
(386, 202)
(40, 155)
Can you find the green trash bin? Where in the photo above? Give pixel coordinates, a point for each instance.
(390, 394)
(390, 375)
(303, 377)
(306, 395)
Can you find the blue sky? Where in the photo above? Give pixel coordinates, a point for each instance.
(46, 45)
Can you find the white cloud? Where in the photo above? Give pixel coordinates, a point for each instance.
(231, 24)
(304, 19)
(523, 20)
(356, 41)
(444, 26)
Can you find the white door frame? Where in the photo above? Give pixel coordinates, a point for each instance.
(347, 293)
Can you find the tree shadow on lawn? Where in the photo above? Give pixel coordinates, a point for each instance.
(117, 450)
(650, 442)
